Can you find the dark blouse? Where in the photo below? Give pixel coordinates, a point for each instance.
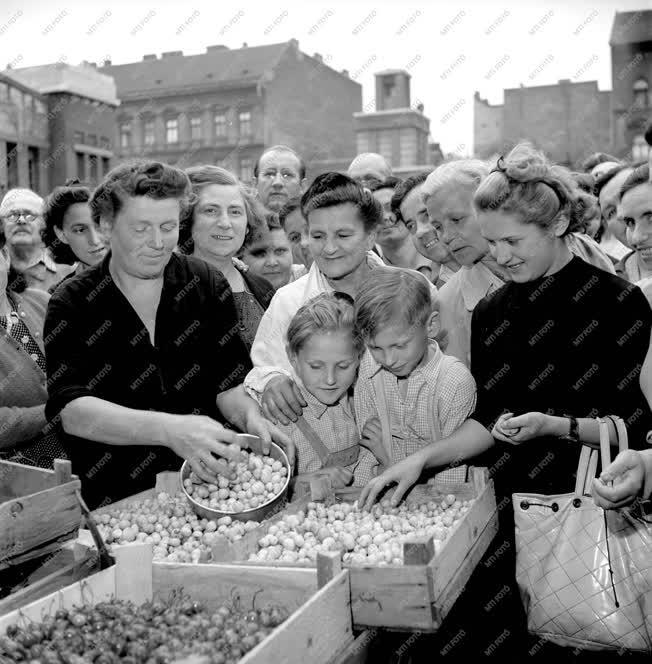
(572, 343)
(97, 345)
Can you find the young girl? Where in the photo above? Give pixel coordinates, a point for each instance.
(325, 353)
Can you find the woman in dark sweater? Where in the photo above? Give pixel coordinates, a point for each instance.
(558, 346)
(214, 229)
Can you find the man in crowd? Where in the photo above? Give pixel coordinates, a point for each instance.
(279, 175)
(393, 236)
(369, 168)
(408, 204)
(143, 353)
(22, 211)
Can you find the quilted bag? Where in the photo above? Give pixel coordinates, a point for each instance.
(584, 573)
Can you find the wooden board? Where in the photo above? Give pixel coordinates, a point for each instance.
(40, 511)
(60, 569)
(317, 629)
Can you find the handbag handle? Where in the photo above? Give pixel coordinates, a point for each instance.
(588, 463)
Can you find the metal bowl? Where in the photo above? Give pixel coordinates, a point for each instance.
(258, 513)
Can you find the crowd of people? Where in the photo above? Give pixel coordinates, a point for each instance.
(381, 330)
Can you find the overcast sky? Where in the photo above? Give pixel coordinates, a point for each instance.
(450, 50)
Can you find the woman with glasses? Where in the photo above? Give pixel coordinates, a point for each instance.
(214, 229)
(24, 435)
(70, 233)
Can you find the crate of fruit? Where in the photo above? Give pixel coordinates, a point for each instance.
(164, 517)
(143, 611)
(408, 564)
(38, 510)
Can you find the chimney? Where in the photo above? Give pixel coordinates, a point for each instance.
(345, 72)
(216, 47)
(245, 45)
(149, 57)
(171, 54)
(107, 63)
(318, 57)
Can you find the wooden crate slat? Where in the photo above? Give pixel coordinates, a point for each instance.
(96, 588)
(312, 634)
(393, 596)
(29, 521)
(444, 603)
(448, 559)
(67, 574)
(214, 584)
(18, 480)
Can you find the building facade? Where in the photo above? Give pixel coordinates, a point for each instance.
(226, 106)
(570, 120)
(631, 80)
(79, 114)
(24, 137)
(567, 121)
(395, 129)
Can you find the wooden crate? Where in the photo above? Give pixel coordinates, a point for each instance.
(58, 569)
(318, 628)
(418, 594)
(38, 510)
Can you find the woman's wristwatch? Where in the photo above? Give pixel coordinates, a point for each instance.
(573, 435)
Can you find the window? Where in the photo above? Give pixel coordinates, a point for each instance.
(640, 148)
(220, 125)
(16, 97)
(12, 165)
(640, 93)
(408, 147)
(78, 137)
(105, 143)
(4, 92)
(148, 132)
(125, 135)
(92, 163)
(246, 169)
(33, 168)
(389, 84)
(106, 166)
(245, 123)
(91, 139)
(38, 105)
(81, 165)
(195, 128)
(172, 130)
(28, 100)
(385, 144)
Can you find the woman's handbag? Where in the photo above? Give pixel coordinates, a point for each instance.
(584, 573)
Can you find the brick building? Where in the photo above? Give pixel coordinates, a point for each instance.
(631, 76)
(76, 111)
(24, 137)
(567, 120)
(395, 129)
(225, 106)
(570, 120)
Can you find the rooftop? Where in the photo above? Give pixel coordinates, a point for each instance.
(631, 28)
(82, 80)
(217, 65)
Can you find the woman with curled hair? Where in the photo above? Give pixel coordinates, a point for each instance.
(559, 344)
(342, 218)
(70, 232)
(214, 227)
